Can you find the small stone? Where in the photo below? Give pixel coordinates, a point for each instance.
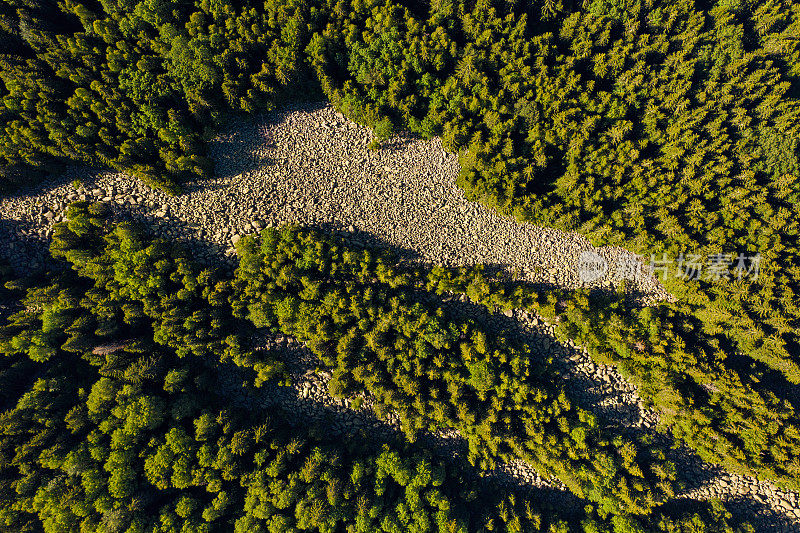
(236, 238)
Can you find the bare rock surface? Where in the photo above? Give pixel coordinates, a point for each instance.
(309, 165)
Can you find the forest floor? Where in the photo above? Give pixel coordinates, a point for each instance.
(309, 165)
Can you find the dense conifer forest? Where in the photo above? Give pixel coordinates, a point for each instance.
(670, 128)
(112, 421)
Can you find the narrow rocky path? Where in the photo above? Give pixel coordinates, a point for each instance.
(309, 165)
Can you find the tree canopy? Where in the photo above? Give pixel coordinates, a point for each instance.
(117, 423)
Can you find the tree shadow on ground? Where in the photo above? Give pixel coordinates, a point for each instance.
(25, 254)
(239, 146)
